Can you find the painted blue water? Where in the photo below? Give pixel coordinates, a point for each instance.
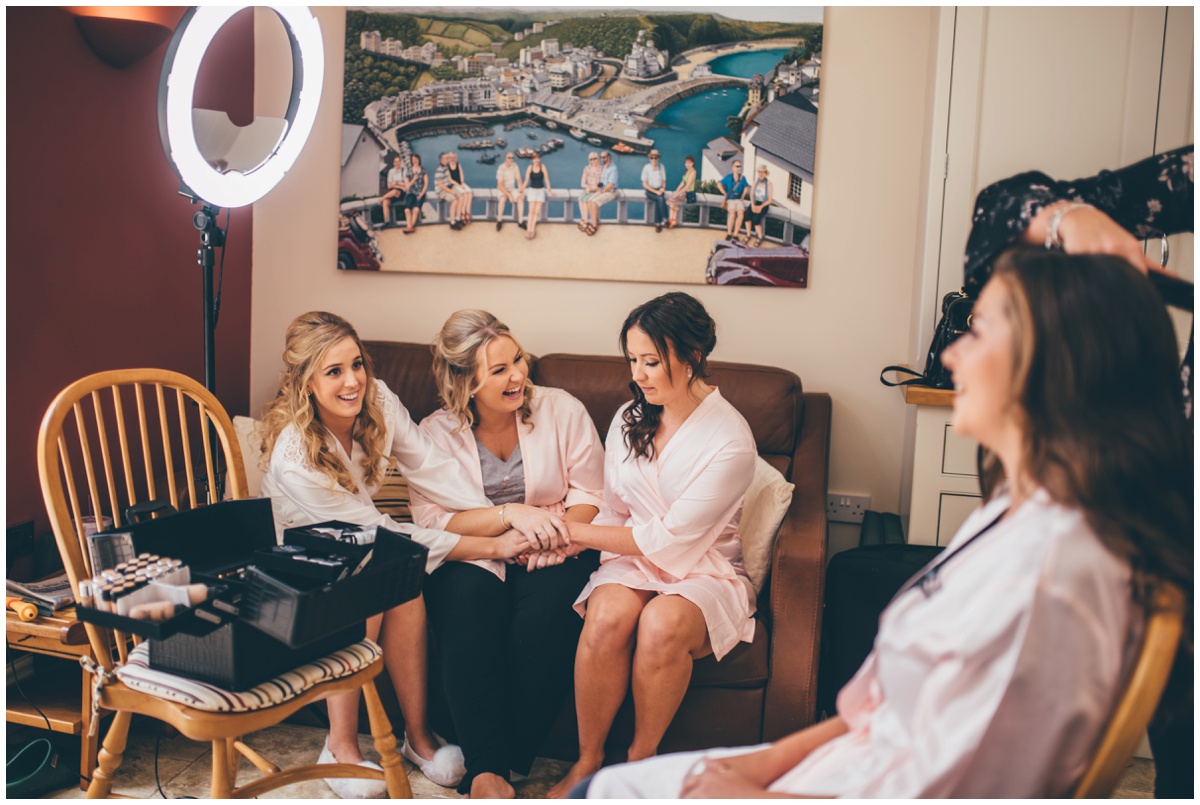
(747, 63)
(682, 129)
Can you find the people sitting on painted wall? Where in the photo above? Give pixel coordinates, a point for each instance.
(685, 193)
(508, 182)
(330, 435)
(590, 182)
(506, 634)
(397, 177)
(997, 666)
(608, 189)
(762, 193)
(671, 587)
(654, 181)
(1108, 214)
(736, 189)
(453, 189)
(414, 194)
(537, 188)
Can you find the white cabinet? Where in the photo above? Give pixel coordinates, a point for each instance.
(1067, 91)
(945, 479)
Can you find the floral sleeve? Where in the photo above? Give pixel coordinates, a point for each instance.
(1148, 198)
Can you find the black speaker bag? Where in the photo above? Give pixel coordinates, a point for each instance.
(859, 584)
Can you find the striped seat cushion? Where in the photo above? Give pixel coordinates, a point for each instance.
(392, 497)
(137, 674)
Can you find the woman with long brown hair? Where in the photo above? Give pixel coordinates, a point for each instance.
(997, 666)
(330, 435)
(671, 587)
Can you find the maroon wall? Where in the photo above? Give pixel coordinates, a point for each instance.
(101, 262)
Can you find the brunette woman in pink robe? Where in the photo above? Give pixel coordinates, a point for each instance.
(671, 587)
(997, 667)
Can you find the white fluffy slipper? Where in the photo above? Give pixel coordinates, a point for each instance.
(351, 787)
(446, 767)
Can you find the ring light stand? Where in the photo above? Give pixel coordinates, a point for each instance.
(223, 165)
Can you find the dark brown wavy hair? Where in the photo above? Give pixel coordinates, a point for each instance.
(1100, 396)
(678, 325)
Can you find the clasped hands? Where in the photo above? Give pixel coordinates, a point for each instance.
(542, 538)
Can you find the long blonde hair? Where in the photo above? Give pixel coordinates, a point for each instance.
(306, 341)
(456, 350)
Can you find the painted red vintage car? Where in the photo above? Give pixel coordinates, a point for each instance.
(733, 263)
(357, 247)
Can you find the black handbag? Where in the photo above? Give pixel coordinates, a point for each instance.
(956, 320)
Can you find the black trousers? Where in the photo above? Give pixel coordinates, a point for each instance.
(506, 650)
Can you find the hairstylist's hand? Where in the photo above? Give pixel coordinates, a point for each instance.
(1087, 230)
(544, 530)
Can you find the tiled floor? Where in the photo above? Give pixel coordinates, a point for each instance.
(184, 768)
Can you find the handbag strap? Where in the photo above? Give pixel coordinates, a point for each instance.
(916, 379)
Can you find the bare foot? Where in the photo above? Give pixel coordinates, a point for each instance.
(491, 786)
(581, 769)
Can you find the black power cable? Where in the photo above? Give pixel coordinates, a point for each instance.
(12, 664)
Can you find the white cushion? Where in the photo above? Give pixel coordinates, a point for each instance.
(137, 674)
(766, 503)
(250, 441)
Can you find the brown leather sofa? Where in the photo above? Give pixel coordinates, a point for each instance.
(761, 690)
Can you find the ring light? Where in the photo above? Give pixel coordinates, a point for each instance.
(176, 90)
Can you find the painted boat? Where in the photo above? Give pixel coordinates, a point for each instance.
(578, 134)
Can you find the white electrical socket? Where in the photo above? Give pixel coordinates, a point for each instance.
(843, 508)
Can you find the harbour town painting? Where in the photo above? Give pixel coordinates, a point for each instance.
(668, 147)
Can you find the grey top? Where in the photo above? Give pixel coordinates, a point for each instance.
(503, 481)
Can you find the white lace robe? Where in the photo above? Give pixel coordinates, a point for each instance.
(301, 495)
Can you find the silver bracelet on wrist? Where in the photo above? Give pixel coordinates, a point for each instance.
(503, 522)
(1053, 241)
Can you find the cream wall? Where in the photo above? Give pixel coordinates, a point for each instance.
(854, 318)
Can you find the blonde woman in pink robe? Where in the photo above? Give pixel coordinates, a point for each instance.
(671, 587)
(506, 633)
(997, 666)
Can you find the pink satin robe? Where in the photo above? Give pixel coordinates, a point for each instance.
(996, 684)
(684, 506)
(561, 454)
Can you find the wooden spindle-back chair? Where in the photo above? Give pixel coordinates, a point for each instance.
(140, 438)
(1137, 703)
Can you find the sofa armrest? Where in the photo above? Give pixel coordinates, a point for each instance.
(797, 581)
